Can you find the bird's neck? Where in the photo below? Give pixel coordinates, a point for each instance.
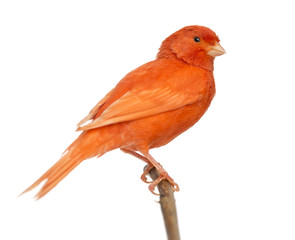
(201, 60)
(205, 62)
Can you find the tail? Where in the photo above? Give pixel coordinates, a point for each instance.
(89, 144)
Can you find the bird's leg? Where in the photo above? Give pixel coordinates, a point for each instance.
(147, 169)
(163, 175)
(135, 154)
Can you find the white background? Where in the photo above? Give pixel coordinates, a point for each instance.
(235, 168)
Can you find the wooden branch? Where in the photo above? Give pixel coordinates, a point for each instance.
(168, 206)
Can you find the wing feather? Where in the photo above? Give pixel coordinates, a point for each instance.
(94, 110)
(138, 104)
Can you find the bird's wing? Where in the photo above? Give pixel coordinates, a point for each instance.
(135, 104)
(94, 110)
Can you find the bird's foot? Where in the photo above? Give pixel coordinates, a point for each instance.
(163, 176)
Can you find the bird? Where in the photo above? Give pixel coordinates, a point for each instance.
(148, 108)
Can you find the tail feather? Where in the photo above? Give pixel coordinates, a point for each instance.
(55, 174)
(85, 146)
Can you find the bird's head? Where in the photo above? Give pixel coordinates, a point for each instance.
(196, 45)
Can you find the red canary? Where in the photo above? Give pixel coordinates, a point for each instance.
(148, 108)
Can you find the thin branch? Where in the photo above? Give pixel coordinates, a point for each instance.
(168, 206)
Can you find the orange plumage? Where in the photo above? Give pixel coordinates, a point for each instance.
(149, 107)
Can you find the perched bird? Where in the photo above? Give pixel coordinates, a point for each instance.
(148, 108)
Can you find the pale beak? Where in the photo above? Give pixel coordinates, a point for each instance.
(216, 50)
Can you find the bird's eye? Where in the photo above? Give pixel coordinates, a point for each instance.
(197, 39)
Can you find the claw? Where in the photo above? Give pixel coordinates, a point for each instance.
(175, 187)
(152, 189)
(144, 179)
(147, 169)
(157, 194)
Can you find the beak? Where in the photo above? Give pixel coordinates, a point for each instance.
(216, 50)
